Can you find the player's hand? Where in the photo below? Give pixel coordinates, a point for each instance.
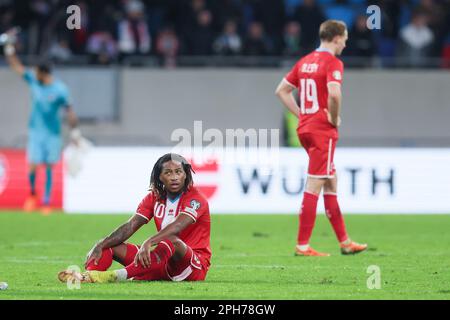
(75, 136)
(93, 255)
(143, 255)
(330, 120)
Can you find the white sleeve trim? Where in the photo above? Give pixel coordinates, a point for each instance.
(139, 214)
(288, 83)
(333, 82)
(189, 215)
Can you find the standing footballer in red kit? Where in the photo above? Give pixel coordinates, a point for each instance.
(182, 244)
(318, 78)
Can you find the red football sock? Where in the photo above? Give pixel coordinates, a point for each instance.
(132, 250)
(158, 257)
(104, 263)
(307, 217)
(335, 216)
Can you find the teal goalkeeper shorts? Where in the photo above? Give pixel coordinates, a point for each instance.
(44, 149)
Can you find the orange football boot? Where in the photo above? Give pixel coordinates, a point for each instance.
(352, 248)
(30, 204)
(46, 210)
(310, 253)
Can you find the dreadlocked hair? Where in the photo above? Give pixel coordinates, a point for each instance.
(156, 185)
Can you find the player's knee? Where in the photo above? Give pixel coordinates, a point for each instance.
(177, 243)
(174, 240)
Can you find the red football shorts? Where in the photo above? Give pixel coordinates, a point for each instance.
(189, 268)
(320, 151)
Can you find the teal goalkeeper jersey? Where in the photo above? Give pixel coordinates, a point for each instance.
(47, 102)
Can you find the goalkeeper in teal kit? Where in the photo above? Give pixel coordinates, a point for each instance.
(49, 99)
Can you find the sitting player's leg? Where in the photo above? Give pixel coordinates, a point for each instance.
(171, 255)
(158, 257)
(334, 214)
(124, 253)
(170, 249)
(186, 267)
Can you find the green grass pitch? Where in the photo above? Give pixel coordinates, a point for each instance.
(252, 258)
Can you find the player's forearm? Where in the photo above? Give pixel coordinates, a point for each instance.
(334, 106)
(172, 229)
(13, 60)
(118, 236)
(289, 102)
(72, 119)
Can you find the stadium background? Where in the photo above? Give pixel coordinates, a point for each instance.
(392, 156)
(128, 95)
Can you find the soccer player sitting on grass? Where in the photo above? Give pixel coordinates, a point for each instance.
(181, 216)
(318, 78)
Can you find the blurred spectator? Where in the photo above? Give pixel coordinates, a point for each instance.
(415, 41)
(203, 27)
(226, 10)
(360, 42)
(229, 42)
(271, 14)
(102, 48)
(41, 11)
(446, 53)
(167, 46)
(291, 38)
(134, 37)
(79, 36)
(435, 15)
(390, 16)
(256, 42)
(60, 51)
(200, 41)
(310, 16)
(6, 19)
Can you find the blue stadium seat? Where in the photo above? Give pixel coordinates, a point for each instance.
(359, 2)
(291, 5)
(340, 12)
(325, 2)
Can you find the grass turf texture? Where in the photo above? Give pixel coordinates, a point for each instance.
(252, 258)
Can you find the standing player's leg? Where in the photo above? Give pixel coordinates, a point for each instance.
(336, 218)
(52, 154)
(332, 209)
(308, 217)
(318, 151)
(31, 201)
(34, 156)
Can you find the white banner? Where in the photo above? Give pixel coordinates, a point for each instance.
(370, 180)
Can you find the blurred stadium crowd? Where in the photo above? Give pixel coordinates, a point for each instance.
(414, 33)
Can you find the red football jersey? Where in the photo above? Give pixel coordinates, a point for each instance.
(310, 75)
(191, 203)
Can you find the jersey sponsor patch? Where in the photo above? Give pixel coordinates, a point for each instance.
(337, 75)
